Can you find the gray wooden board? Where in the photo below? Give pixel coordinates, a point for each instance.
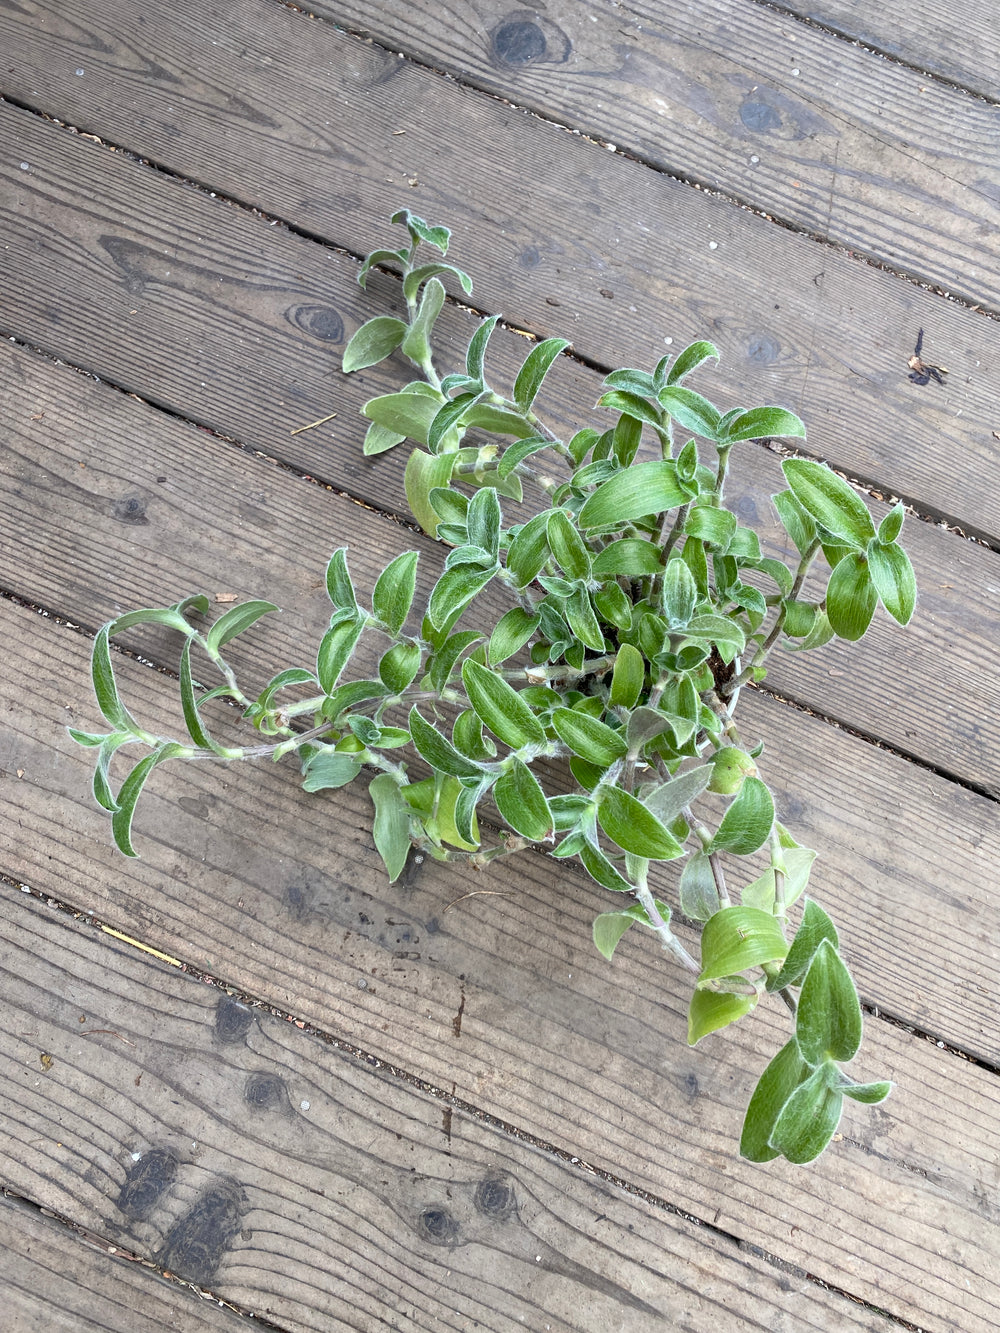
(229, 535)
(488, 987)
(958, 44)
(71, 451)
(55, 1280)
(252, 1159)
(815, 131)
(586, 244)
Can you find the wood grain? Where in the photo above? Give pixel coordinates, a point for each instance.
(851, 148)
(55, 1280)
(499, 997)
(321, 1193)
(246, 108)
(961, 46)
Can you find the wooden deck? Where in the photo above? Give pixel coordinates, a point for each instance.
(246, 1084)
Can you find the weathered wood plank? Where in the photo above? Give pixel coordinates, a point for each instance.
(499, 997)
(944, 655)
(230, 534)
(962, 46)
(55, 1281)
(798, 120)
(250, 1158)
(597, 247)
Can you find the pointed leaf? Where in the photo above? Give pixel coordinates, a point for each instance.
(326, 768)
(391, 829)
(483, 519)
(609, 927)
(416, 277)
(189, 705)
(398, 666)
(828, 1023)
(102, 788)
(894, 580)
(644, 488)
(628, 677)
(454, 591)
(424, 474)
(521, 801)
(392, 596)
(567, 546)
(338, 582)
(711, 1010)
(891, 526)
(670, 799)
(762, 423)
(692, 411)
(475, 359)
(106, 687)
(851, 598)
(628, 823)
(587, 737)
(500, 707)
(830, 501)
(808, 1119)
(582, 620)
(417, 343)
(512, 632)
(439, 751)
(235, 621)
(815, 927)
(796, 521)
(630, 556)
(777, 1083)
(632, 405)
(535, 368)
(868, 1093)
(736, 938)
(598, 867)
(128, 794)
(335, 650)
(529, 550)
(699, 895)
(690, 359)
(406, 414)
(747, 823)
(372, 343)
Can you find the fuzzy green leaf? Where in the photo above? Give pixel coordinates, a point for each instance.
(736, 938)
(669, 799)
(335, 650)
(128, 794)
(392, 596)
(475, 359)
(894, 580)
(711, 1010)
(868, 1093)
(391, 829)
(747, 822)
(830, 501)
(338, 582)
(582, 620)
(398, 666)
(808, 1119)
(521, 801)
(628, 677)
(645, 488)
(535, 368)
(512, 632)
(416, 277)
(587, 737)
(762, 423)
(699, 895)
(679, 594)
(632, 827)
(417, 343)
(851, 597)
(690, 359)
(892, 525)
(828, 1023)
(483, 519)
(530, 549)
(598, 867)
(235, 621)
(630, 556)
(777, 1083)
(567, 546)
(631, 405)
(406, 414)
(500, 707)
(715, 526)
(373, 342)
(438, 750)
(609, 927)
(106, 687)
(692, 411)
(189, 705)
(327, 768)
(454, 591)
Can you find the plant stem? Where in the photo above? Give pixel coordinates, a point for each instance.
(668, 939)
(714, 860)
(762, 652)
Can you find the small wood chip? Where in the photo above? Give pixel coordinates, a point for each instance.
(227, 597)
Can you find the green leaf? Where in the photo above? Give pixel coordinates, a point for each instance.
(567, 545)
(582, 620)
(416, 278)
(632, 827)
(426, 473)
(630, 556)
(91, 739)
(851, 597)
(348, 696)
(892, 525)
(106, 687)
(529, 550)
(512, 632)
(797, 523)
(393, 257)
(830, 501)
(454, 591)
(443, 661)
(517, 453)
(467, 734)
(894, 580)
(189, 705)
(398, 666)
(720, 630)
(373, 342)
(828, 1022)
(711, 1010)
(338, 582)
(417, 343)
(868, 1093)
(598, 867)
(775, 1086)
(234, 622)
(690, 359)
(521, 801)
(326, 768)
(102, 788)
(421, 231)
(535, 368)
(483, 520)
(747, 823)
(679, 594)
(628, 677)
(670, 799)
(475, 358)
(798, 863)
(378, 440)
(171, 616)
(587, 737)
(715, 526)
(609, 927)
(699, 895)
(632, 405)
(808, 1120)
(692, 411)
(439, 751)
(391, 830)
(736, 938)
(128, 794)
(407, 414)
(644, 488)
(393, 593)
(498, 421)
(446, 419)
(500, 707)
(762, 423)
(800, 619)
(335, 650)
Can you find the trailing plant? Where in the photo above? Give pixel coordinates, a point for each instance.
(638, 607)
